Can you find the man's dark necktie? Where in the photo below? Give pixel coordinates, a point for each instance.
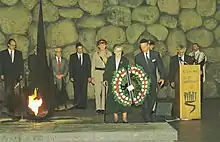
(147, 62)
(58, 64)
(80, 59)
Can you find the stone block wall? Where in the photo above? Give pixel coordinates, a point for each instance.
(169, 22)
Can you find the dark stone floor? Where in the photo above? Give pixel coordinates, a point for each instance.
(204, 130)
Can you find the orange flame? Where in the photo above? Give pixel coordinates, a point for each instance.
(34, 103)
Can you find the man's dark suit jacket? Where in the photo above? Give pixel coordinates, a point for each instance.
(174, 77)
(155, 62)
(77, 71)
(12, 71)
(174, 66)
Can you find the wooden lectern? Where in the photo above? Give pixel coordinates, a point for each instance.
(189, 92)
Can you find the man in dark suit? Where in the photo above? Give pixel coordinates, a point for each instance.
(175, 62)
(80, 75)
(12, 65)
(150, 61)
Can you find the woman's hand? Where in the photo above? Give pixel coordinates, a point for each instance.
(105, 83)
(172, 84)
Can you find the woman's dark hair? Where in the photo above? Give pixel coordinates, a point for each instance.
(101, 40)
(9, 41)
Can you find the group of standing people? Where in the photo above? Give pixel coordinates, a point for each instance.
(153, 66)
(98, 71)
(150, 61)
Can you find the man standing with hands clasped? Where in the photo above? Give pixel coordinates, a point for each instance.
(150, 61)
(80, 75)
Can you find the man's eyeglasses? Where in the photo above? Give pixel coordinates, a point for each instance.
(12, 45)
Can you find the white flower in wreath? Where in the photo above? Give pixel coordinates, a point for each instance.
(135, 99)
(126, 98)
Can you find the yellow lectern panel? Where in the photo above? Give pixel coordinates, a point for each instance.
(190, 106)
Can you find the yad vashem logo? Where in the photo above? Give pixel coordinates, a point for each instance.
(190, 98)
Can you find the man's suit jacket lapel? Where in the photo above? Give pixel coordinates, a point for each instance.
(62, 63)
(143, 58)
(83, 59)
(113, 62)
(121, 63)
(55, 67)
(177, 62)
(8, 56)
(146, 65)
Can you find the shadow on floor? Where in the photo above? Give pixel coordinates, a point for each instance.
(204, 130)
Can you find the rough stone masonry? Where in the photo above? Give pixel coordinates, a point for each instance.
(170, 22)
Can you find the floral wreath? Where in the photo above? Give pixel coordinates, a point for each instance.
(122, 91)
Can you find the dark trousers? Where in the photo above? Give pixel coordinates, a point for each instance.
(80, 93)
(61, 96)
(147, 107)
(10, 95)
(14, 99)
(201, 88)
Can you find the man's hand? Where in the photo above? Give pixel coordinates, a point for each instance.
(92, 80)
(2, 77)
(161, 82)
(172, 84)
(58, 76)
(71, 79)
(20, 77)
(89, 79)
(201, 72)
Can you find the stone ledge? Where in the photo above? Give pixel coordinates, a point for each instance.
(153, 132)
